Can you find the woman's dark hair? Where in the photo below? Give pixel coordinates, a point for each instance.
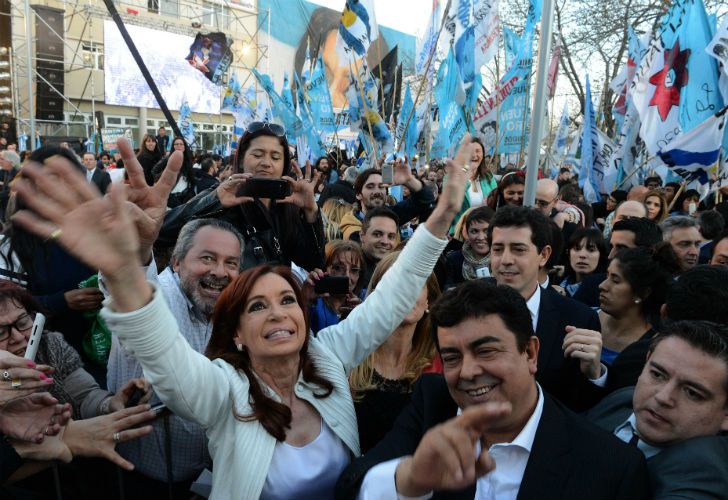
(482, 213)
(244, 144)
(275, 417)
(689, 193)
(649, 274)
(595, 240)
(143, 146)
(570, 193)
(19, 297)
(185, 171)
(509, 179)
(483, 170)
(27, 246)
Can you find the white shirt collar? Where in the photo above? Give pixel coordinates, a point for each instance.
(525, 438)
(629, 429)
(533, 305)
(546, 282)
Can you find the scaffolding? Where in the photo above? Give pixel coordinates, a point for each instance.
(83, 47)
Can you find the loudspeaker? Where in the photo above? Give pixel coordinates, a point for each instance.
(99, 121)
(49, 32)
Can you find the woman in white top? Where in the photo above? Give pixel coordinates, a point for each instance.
(275, 401)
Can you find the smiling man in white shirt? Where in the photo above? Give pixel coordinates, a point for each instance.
(486, 430)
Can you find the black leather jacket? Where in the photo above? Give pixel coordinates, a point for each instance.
(282, 233)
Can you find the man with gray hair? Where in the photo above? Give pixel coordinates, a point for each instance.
(207, 257)
(685, 239)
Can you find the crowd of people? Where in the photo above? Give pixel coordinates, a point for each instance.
(329, 336)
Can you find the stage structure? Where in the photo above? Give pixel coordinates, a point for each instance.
(60, 64)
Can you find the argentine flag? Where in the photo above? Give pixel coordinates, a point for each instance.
(691, 155)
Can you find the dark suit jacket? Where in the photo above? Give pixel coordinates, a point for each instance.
(696, 469)
(559, 376)
(102, 179)
(570, 458)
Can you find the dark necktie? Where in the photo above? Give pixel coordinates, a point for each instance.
(634, 440)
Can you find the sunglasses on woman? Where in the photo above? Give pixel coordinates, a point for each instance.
(273, 127)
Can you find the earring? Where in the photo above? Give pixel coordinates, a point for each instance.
(427, 311)
(240, 347)
(637, 301)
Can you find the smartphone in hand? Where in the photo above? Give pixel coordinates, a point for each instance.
(334, 285)
(263, 187)
(34, 341)
(388, 173)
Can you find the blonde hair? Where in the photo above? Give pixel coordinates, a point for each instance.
(333, 210)
(423, 347)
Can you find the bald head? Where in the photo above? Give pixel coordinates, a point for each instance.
(547, 191)
(638, 193)
(630, 209)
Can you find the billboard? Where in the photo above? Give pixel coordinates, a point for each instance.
(294, 24)
(164, 54)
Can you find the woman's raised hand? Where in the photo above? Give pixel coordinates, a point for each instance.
(303, 190)
(64, 207)
(453, 191)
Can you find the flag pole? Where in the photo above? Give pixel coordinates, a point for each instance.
(427, 69)
(534, 140)
(366, 110)
(634, 171)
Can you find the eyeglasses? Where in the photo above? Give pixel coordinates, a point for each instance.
(273, 127)
(544, 203)
(21, 324)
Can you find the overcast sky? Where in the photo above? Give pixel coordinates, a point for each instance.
(409, 16)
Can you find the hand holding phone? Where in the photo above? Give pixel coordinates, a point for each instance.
(388, 173)
(34, 340)
(263, 187)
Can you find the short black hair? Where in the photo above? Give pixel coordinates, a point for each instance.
(653, 178)
(707, 336)
(646, 232)
(363, 177)
(207, 164)
(523, 217)
(722, 236)
(699, 293)
(479, 298)
(619, 195)
(481, 214)
(711, 224)
(378, 212)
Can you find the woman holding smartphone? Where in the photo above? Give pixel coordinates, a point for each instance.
(275, 400)
(276, 230)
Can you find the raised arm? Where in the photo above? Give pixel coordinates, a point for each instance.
(371, 323)
(103, 233)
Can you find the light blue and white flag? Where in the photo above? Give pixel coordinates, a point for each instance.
(693, 154)
(185, 124)
(407, 136)
(590, 178)
(357, 29)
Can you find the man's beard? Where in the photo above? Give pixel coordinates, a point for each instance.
(191, 288)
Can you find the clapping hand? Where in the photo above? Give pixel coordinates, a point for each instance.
(32, 418)
(445, 458)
